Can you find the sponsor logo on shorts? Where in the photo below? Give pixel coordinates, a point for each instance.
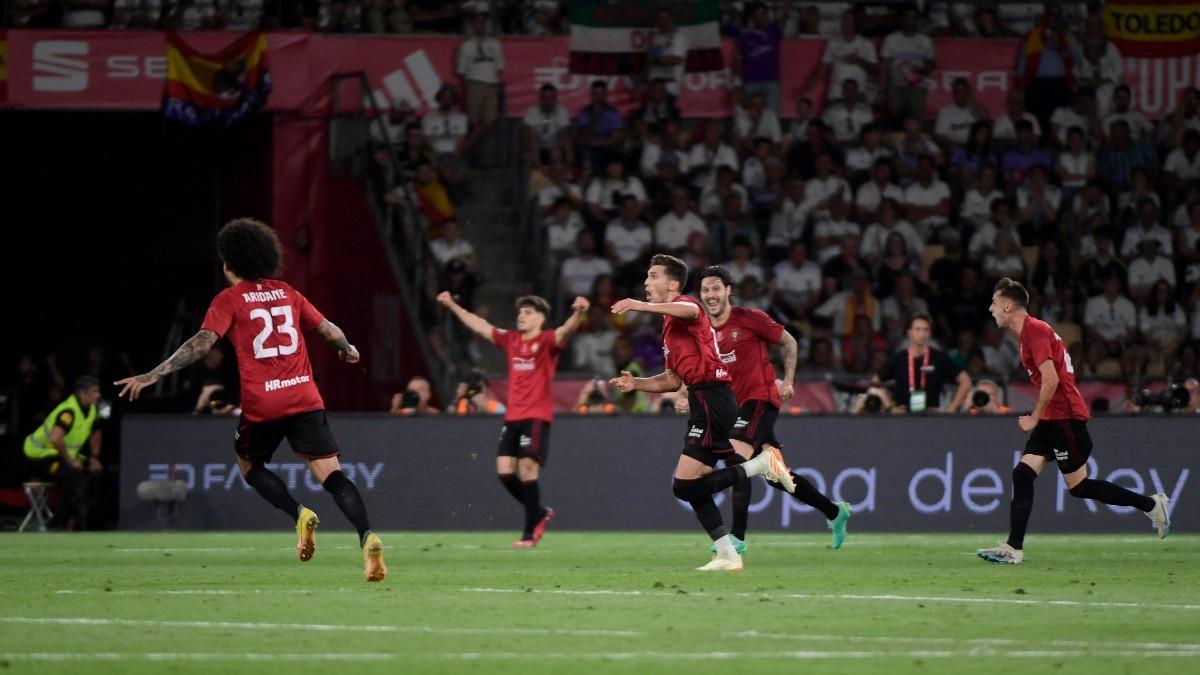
(695, 432)
(1061, 455)
(525, 441)
(740, 423)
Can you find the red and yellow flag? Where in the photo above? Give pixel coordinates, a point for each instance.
(1153, 28)
(217, 89)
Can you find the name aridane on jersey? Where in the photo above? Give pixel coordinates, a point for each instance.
(265, 321)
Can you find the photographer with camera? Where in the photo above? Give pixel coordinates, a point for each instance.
(987, 399)
(414, 400)
(919, 372)
(532, 352)
(472, 396)
(595, 399)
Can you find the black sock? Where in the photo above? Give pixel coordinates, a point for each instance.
(1022, 504)
(807, 492)
(513, 485)
(1111, 493)
(350, 502)
(742, 493)
(709, 516)
(273, 489)
(532, 497)
(706, 486)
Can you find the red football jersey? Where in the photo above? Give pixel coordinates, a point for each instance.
(743, 340)
(1040, 343)
(690, 348)
(264, 320)
(531, 366)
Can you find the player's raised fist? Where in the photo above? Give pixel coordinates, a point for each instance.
(787, 390)
(581, 304)
(626, 305)
(623, 383)
(350, 355)
(444, 298)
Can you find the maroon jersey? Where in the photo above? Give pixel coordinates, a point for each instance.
(690, 347)
(264, 320)
(531, 366)
(1039, 343)
(743, 341)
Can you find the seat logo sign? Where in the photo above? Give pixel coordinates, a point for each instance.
(60, 65)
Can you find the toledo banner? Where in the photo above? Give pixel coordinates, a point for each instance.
(611, 37)
(217, 89)
(1153, 28)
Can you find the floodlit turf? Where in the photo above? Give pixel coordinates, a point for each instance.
(597, 603)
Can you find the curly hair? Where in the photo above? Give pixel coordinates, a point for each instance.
(250, 249)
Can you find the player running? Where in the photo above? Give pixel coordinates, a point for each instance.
(263, 317)
(690, 347)
(525, 440)
(743, 337)
(1059, 426)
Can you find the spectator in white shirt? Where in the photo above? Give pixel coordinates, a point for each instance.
(451, 245)
(955, 119)
(1001, 352)
(446, 130)
(908, 59)
(1101, 67)
(1004, 260)
(755, 121)
(742, 264)
(661, 145)
(1161, 321)
(1139, 124)
(821, 189)
(977, 202)
(1183, 164)
(1076, 166)
(1038, 200)
(849, 114)
(1147, 228)
(627, 239)
(872, 193)
(1004, 130)
(1001, 222)
(788, 221)
(712, 199)
(754, 169)
(1110, 319)
(874, 239)
(579, 272)
(560, 186)
(1148, 269)
(604, 194)
(1081, 113)
(547, 130)
(708, 154)
(563, 226)
(828, 233)
(797, 283)
(136, 13)
(672, 230)
(928, 200)
(848, 56)
(667, 53)
(480, 63)
(861, 159)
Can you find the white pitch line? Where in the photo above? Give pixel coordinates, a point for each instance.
(204, 591)
(78, 621)
(994, 642)
(848, 596)
(814, 654)
(192, 656)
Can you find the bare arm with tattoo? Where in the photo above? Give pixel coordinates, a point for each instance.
(336, 338)
(790, 350)
(188, 353)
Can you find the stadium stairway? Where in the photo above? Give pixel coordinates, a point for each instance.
(488, 219)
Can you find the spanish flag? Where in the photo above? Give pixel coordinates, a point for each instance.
(216, 89)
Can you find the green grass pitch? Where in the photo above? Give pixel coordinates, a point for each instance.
(596, 603)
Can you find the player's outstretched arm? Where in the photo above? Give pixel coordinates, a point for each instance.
(579, 307)
(1049, 386)
(188, 353)
(663, 382)
(335, 337)
(790, 353)
(679, 310)
(477, 324)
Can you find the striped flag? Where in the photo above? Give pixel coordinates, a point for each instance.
(217, 89)
(611, 37)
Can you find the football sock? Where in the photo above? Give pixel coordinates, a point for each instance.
(513, 485)
(532, 496)
(808, 493)
(709, 516)
(706, 486)
(273, 489)
(1110, 493)
(743, 492)
(1022, 504)
(349, 501)
(725, 547)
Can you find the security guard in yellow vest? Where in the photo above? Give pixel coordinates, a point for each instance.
(56, 448)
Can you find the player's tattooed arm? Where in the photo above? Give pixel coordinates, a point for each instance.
(336, 338)
(188, 353)
(790, 352)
